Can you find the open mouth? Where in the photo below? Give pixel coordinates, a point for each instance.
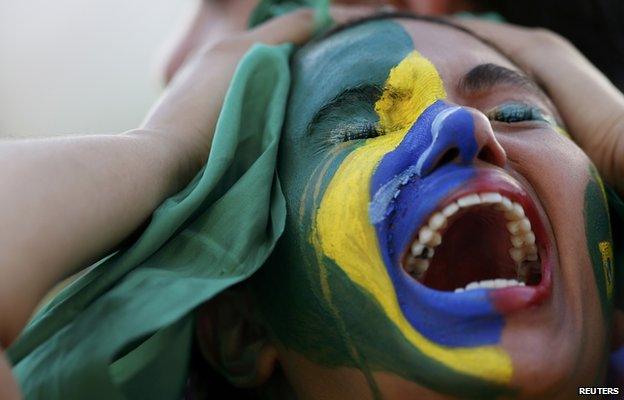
(479, 240)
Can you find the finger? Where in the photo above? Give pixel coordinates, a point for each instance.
(298, 27)
(342, 14)
(295, 27)
(493, 31)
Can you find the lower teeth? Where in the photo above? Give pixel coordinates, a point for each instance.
(491, 284)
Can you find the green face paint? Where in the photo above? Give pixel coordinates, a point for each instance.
(312, 306)
(599, 240)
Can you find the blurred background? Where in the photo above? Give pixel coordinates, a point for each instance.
(82, 66)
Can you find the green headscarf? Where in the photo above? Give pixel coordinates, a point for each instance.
(124, 329)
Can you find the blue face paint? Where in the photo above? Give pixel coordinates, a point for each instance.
(407, 187)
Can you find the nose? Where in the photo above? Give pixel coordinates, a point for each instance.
(461, 135)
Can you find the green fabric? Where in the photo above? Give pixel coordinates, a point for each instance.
(124, 330)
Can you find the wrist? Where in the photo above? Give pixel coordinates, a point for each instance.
(177, 160)
(613, 165)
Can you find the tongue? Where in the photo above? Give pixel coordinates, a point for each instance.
(475, 247)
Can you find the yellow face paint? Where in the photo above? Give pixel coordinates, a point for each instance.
(343, 231)
(606, 252)
(606, 249)
(412, 86)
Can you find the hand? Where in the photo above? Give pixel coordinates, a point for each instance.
(186, 114)
(591, 107)
(215, 20)
(186, 110)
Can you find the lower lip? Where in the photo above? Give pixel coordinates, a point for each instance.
(509, 300)
(513, 299)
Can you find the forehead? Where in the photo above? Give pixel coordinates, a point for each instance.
(365, 53)
(452, 51)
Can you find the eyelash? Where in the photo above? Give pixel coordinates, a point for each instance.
(517, 112)
(357, 131)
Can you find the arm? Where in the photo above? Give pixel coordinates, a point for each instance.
(65, 202)
(591, 107)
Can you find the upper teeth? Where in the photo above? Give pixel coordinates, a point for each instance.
(522, 238)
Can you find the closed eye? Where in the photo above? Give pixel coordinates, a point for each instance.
(350, 116)
(345, 132)
(518, 112)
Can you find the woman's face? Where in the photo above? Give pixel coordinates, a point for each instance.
(443, 234)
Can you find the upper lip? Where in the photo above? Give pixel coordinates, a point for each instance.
(496, 180)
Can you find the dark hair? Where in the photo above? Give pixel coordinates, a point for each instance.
(392, 15)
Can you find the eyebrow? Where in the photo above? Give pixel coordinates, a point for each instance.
(487, 76)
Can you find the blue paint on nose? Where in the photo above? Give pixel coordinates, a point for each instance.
(452, 133)
(441, 129)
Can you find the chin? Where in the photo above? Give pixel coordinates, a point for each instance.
(563, 344)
